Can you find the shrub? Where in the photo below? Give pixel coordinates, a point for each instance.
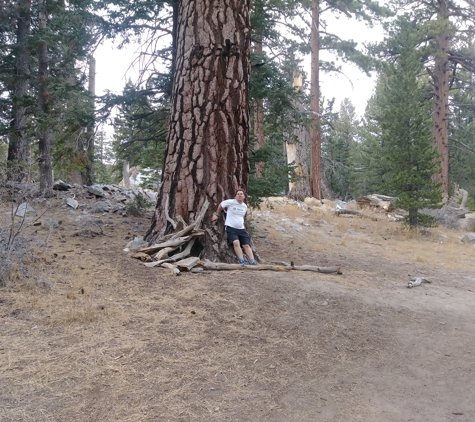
(139, 205)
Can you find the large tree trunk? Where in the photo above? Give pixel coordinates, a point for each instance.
(90, 130)
(207, 155)
(440, 79)
(45, 134)
(259, 141)
(315, 136)
(18, 145)
(297, 152)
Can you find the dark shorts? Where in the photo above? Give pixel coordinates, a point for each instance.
(234, 234)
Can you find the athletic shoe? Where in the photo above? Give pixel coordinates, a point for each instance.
(242, 262)
(253, 262)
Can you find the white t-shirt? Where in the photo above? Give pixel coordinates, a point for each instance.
(235, 213)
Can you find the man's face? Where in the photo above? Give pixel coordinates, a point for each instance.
(240, 196)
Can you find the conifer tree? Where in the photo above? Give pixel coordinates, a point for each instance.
(446, 30)
(405, 120)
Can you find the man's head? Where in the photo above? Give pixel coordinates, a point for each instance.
(240, 196)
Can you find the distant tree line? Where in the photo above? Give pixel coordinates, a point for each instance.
(294, 142)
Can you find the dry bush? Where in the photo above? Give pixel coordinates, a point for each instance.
(293, 210)
(16, 257)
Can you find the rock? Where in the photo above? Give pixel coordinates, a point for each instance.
(101, 206)
(60, 185)
(72, 203)
(295, 226)
(280, 229)
(96, 190)
(117, 207)
(469, 238)
(340, 205)
(136, 243)
(50, 224)
(24, 209)
(417, 281)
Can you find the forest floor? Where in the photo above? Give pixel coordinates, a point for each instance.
(94, 335)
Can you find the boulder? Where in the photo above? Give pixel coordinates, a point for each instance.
(24, 209)
(469, 238)
(96, 190)
(101, 207)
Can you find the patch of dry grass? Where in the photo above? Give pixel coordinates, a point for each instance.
(112, 340)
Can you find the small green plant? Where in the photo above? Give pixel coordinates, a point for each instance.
(421, 220)
(470, 205)
(139, 205)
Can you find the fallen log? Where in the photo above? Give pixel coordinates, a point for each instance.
(163, 253)
(142, 256)
(185, 253)
(221, 266)
(173, 268)
(188, 263)
(185, 231)
(156, 263)
(155, 248)
(349, 212)
(325, 270)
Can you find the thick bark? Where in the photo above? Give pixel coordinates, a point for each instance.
(258, 120)
(315, 136)
(207, 155)
(45, 134)
(18, 145)
(440, 78)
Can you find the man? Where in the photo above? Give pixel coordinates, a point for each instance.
(236, 233)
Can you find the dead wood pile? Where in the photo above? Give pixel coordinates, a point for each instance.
(377, 201)
(164, 254)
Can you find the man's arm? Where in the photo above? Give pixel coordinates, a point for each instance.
(217, 214)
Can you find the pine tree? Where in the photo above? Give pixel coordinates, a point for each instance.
(405, 121)
(445, 33)
(339, 149)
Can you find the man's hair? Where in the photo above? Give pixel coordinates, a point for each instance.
(240, 190)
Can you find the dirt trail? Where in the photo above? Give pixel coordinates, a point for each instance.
(103, 338)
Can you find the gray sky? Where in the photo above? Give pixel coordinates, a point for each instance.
(112, 67)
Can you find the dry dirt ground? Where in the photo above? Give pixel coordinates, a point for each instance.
(94, 335)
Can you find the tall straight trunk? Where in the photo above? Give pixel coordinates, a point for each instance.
(207, 154)
(45, 134)
(18, 145)
(315, 136)
(440, 79)
(259, 141)
(297, 151)
(90, 129)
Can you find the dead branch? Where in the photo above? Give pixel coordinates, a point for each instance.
(221, 266)
(188, 263)
(174, 242)
(142, 256)
(325, 270)
(202, 213)
(185, 253)
(173, 268)
(179, 218)
(163, 253)
(168, 215)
